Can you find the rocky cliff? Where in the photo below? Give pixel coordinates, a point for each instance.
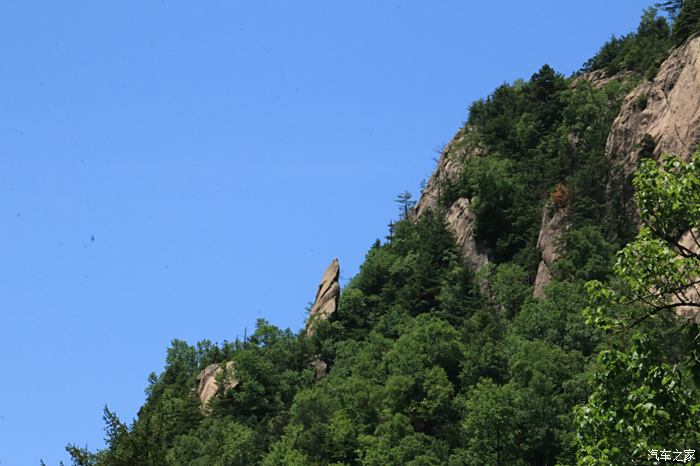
(459, 215)
(449, 168)
(657, 116)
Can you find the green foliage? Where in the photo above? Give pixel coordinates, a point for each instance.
(668, 196)
(640, 52)
(430, 362)
(405, 204)
(557, 319)
(490, 425)
(658, 266)
(507, 287)
(81, 456)
(215, 442)
(495, 189)
(586, 255)
(395, 442)
(638, 404)
(537, 136)
(671, 7)
(645, 395)
(407, 273)
(688, 21)
(580, 151)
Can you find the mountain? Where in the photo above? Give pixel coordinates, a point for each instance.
(538, 305)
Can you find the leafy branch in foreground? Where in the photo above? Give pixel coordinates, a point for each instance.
(645, 395)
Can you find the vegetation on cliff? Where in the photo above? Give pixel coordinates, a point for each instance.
(432, 363)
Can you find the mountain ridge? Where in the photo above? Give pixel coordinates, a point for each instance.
(477, 332)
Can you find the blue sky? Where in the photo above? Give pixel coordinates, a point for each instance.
(174, 169)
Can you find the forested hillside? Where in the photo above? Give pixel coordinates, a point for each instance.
(537, 306)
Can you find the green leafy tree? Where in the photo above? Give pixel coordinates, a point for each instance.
(687, 22)
(394, 442)
(492, 422)
(646, 393)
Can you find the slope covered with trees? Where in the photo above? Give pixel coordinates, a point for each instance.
(431, 362)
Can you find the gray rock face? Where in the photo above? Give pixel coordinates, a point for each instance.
(320, 368)
(208, 386)
(460, 219)
(449, 168)
(542, 279)
(657, 117)
(459, 216)
(327, 295)
(554, 225)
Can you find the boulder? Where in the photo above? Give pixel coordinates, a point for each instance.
(542, 279)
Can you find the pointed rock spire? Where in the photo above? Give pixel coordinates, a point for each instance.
(327, 296)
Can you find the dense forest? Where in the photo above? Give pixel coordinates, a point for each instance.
(428, 361)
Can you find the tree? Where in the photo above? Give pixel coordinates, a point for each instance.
(672, 7)
(688, 20)
(491, 424)
(640, 52)
(81, 456)
(661, 268)
(405, 203)
(645, 394)
(638, 404)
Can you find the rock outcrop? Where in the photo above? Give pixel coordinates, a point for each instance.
(658, 116)
(320, 368)
(599, 78)
(554, 225)
(325, 304)
(459, 216)
(208, 385)
(449, 169)
(460, 219)
(327, 295)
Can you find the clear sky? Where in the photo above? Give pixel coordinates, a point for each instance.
(178, 169)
